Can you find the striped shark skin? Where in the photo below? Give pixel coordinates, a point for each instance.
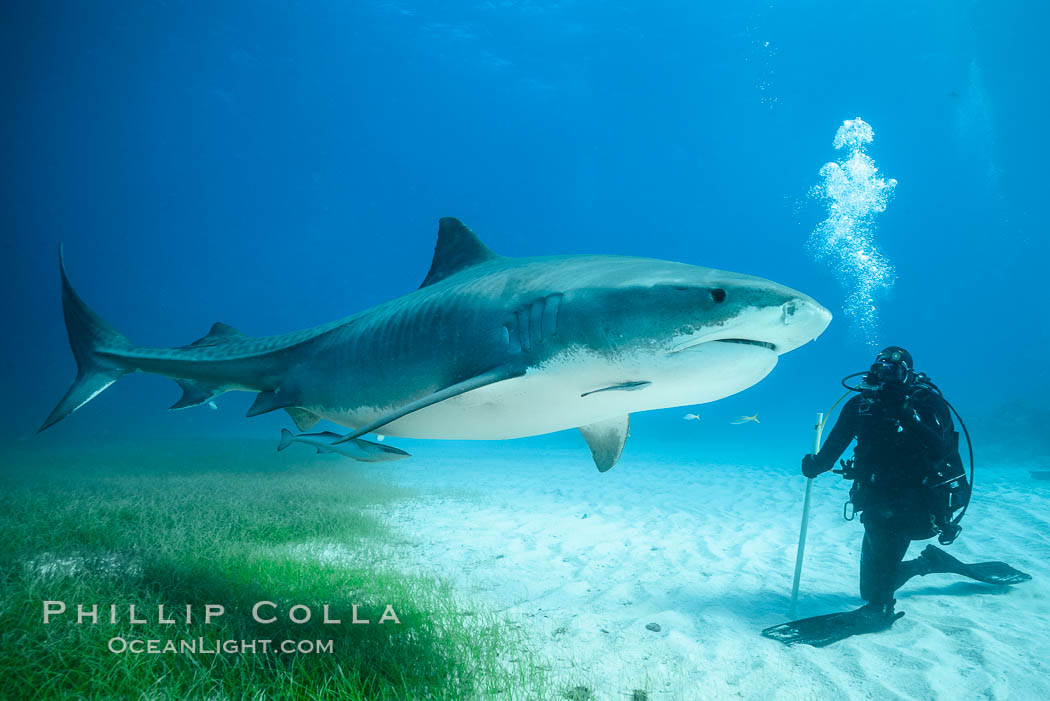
(489, 347)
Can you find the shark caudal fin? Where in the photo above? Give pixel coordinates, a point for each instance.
(90, 338)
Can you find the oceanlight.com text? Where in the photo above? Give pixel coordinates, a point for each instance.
(203, 646)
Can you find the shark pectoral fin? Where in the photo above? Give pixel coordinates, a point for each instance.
(486, 378)
(196, 393)
(303, 418)
(606, 439)
(623, 386)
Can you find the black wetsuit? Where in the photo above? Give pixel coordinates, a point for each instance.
(897, 443)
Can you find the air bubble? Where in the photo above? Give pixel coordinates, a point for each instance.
(853, 192)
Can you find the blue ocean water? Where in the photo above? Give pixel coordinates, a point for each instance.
(277, 165)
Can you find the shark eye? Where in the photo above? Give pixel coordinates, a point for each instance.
(718, 294)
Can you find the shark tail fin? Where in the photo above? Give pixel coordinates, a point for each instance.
(286, 439)
(92, 341)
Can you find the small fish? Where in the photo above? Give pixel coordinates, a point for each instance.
(691, 417)
(357, 449)
(745, 419)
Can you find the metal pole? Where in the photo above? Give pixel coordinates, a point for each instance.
(805, 522)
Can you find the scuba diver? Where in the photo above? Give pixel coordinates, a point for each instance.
(908, 484)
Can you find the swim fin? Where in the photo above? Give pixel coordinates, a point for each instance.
(989, 572)
(821, 631)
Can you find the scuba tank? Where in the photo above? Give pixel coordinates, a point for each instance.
(945, 488)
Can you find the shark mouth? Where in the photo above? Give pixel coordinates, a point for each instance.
(690, 345)
(747, 342)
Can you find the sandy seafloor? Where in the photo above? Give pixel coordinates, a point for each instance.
(584, 561)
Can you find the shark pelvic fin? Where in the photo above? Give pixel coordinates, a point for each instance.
(218, 333)
(195, 393)
(303, 418)
(606, 439)
(266, 402)
(457, 248)
(486, 378)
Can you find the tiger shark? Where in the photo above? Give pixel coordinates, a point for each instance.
(489, 347)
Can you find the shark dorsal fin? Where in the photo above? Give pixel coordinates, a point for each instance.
(221, 329)
(218, 332)
(457, 248)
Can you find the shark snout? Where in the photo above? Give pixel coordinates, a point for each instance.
(801, 319)
(779, 325)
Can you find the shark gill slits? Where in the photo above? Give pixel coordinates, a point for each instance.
(531, 324)
(718, 295)
(510, 334)
(552, 304)
(523, 328)
(536, 322)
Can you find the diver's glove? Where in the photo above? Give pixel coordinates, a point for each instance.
(811, 468)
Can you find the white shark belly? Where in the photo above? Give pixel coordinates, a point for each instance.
(548, 397)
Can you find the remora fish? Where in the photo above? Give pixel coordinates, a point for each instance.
(357, 449)
(489, 347)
